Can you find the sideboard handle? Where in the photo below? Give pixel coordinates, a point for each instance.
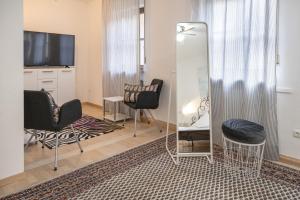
(48, 81)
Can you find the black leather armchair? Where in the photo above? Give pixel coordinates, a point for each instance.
(38, 115)
(147, 100)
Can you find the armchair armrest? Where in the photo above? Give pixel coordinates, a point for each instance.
(69, 113)
(147, 100)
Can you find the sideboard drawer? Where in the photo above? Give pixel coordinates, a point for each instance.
(60, 82)
(47, 74)
(47, 83)
(30, 79)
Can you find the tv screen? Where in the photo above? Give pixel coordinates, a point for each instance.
(35, 48)
(60, 50)
(48, 49)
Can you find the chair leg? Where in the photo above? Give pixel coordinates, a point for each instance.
(28, 142)
(56, 152)
(145, 114)
(34, 134)
(157, 125)
(135, 116)
(44, 139)
(77, 138)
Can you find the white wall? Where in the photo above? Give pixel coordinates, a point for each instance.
(288, 77)
(161, 18)
(81, 18)
(66, 17)
(95, 93)
(11, 87)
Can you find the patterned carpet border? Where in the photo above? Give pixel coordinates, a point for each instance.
(69, 185)
(76, 182)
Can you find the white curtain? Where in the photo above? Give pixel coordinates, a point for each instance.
(121, 45)
(243, 63)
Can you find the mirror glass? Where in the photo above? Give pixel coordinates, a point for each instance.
(192, 73)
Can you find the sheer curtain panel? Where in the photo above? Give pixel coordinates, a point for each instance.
(243, 63)
(121, 45)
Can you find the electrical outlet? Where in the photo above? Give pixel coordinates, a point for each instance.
(296, 133)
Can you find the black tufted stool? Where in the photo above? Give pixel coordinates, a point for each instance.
(244, 143)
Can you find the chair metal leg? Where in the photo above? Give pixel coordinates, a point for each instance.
(145, 114)
(44, 139)
(135, 116)
(34, 134)
(56, 152)
(77, 138)
(156, 123)
(28, 142)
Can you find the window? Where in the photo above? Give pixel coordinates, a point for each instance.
(142, 40)
(142, 37)
(241, 39)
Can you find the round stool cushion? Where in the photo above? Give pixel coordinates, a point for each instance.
(244, 131)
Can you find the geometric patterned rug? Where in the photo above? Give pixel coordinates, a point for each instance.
(194, 178)
(87, 127)
(147, 172)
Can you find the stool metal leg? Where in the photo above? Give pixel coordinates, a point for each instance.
(243, 159)
(261, 158)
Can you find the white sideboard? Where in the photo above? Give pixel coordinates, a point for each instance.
(60, 82)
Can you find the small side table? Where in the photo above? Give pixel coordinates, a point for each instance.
(116, 116)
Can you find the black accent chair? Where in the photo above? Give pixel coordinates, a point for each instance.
(38, 115)
(147, 100)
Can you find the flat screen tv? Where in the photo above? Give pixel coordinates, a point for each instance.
(48, 49)
(35, 46)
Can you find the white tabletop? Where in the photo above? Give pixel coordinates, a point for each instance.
(114, 99)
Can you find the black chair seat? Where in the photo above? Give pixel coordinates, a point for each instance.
(131, 105)
(244, 131)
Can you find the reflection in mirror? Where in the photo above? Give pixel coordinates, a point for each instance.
(193, 106)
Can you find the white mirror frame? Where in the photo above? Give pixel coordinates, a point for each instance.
(209, 155)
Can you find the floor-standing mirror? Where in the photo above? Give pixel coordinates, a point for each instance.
(193, 92)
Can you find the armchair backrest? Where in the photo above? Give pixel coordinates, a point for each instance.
(38, 113)
(159, 83)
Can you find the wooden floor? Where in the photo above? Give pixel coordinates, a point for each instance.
(39, 162)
